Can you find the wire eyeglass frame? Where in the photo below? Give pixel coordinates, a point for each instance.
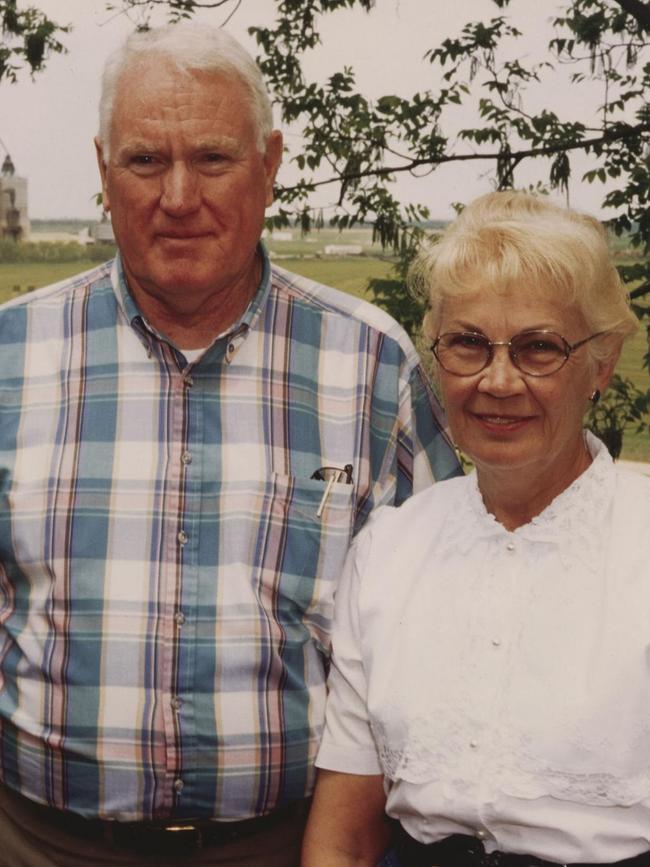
(513, 353)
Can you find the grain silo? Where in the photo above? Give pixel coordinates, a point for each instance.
(14, 221)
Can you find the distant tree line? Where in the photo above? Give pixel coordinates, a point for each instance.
(53, 251)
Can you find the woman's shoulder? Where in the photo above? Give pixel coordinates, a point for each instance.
(632, 494)
(427, 505)
(423, 518)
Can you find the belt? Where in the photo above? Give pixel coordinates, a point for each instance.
(171, 836)
(462, 851)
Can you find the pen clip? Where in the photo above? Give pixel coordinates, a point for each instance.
(333, 474)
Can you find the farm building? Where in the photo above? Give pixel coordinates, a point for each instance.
(343, 250)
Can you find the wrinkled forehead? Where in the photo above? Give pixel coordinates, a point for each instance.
(511, 285)
(501, 312)
(154, 93)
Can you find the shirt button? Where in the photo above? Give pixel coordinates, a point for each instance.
(510, 546)
(179, 618)
(481, 834)
(473, 744)
(177, 703)
(182, 537)
(179, 785)
(186, 458)
(496, 642)
(189, 381)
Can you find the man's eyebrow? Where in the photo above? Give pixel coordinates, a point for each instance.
(135, 146)
(217, 143)
(214, 143)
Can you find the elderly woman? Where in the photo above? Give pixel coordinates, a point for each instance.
(490, 686)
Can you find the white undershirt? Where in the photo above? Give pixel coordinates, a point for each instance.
(191, 355)
(501, 681)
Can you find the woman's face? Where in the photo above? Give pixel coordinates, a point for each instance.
(505, 419)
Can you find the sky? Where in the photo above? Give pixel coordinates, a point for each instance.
(48, 123)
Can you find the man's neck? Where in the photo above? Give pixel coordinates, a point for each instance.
(192, 321)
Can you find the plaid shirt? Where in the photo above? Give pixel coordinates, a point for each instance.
(166, 582)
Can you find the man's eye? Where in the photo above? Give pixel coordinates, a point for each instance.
(211, 159)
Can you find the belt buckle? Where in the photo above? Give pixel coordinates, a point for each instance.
(183, 837)
(148, 839)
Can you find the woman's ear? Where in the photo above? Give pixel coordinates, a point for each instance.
(605, 366)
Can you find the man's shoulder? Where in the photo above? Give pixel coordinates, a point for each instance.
(337, 303)
(59, 292)
(431, 504)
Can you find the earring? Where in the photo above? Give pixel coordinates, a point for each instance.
(594, 397)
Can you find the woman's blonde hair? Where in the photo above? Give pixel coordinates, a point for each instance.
(514, 242)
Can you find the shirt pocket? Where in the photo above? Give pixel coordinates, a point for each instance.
(293, 555)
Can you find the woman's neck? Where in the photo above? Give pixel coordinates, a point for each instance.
(516, 496)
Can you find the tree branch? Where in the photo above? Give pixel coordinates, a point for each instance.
(640, 291)
(517, 156)
(196, 4)
(639, 10)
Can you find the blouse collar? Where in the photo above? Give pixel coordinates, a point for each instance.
(572, 521)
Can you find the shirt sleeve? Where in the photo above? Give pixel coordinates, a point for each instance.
(425, 453)
(348, 744)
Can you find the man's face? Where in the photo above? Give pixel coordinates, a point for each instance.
(185, 183)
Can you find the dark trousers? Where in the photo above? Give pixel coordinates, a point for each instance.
(29, 838)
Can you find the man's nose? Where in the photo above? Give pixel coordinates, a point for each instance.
(501, 376)
(180, 193)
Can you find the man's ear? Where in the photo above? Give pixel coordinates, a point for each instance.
(272, 160)
(101, 163)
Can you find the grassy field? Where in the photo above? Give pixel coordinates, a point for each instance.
(351, 274)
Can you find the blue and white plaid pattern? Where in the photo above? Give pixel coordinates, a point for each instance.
(165, 582)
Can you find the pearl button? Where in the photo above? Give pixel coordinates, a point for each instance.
(510, 546)
(496, 642)
(182, 537)
(189, 382)
(481, 834)
(473, 744)
(179, 785)
(179, 618)
(186, 458)
(177, 703)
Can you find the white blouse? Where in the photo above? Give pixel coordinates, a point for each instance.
(501, 680)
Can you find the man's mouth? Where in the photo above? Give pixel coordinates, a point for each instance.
(182, 236)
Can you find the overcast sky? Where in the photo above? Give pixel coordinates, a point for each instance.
(48, 124)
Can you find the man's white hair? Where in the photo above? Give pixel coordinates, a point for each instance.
(189, 46)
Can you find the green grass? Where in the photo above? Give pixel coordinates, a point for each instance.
(349, 274)
(25, 275)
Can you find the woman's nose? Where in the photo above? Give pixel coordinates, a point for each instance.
(501, 376)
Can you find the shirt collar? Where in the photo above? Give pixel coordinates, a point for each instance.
(234, 335)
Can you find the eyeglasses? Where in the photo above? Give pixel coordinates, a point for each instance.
(535, 353)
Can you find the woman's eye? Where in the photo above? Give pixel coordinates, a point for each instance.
(467, 341)
(541, 346)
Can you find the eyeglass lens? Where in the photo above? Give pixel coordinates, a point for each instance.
(538, 353)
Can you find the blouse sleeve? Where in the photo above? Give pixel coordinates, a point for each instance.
(348, 744)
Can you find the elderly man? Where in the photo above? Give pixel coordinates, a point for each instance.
(189, 440)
